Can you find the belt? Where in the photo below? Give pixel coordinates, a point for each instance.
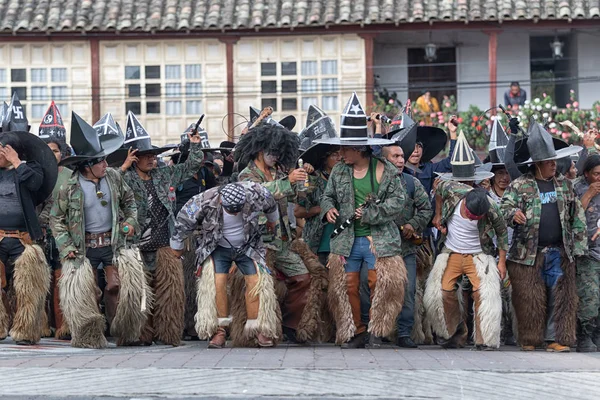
(24, 236)
(95, 240)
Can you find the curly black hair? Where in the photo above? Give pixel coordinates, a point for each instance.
(272, 139)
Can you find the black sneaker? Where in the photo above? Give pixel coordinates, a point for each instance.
(406, 342)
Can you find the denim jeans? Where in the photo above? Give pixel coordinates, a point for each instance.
(406, 319)
(361, 252)
(223, 257)
(551, 272)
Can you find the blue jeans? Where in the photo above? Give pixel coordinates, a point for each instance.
(551, 272)
(361, 252)
(406, 319)
(223, 257)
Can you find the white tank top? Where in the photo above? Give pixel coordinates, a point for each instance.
(463, 235)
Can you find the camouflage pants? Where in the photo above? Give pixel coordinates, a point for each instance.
(588, 290)
(289, 263)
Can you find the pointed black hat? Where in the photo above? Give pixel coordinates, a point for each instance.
(541, 146)
(318, 126)
(498, 142)
(288, 122)
(110, 134)
(432, 139)
(52, 126)
(405, 136)
(15, 119)
(84, 142)
(464, 163)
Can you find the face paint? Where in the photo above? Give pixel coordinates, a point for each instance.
(270, 160)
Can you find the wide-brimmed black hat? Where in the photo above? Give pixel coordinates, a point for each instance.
(35, 149)
(432, 139)
(353, 128)
(15, 119)
(318, 126)
(84, 142)
(466, 166)
(288, 122)
(52, 126)
(541, 146)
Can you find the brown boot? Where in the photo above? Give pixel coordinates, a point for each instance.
(219, 339)
(352, 288)
(111, 292)
(264, 341)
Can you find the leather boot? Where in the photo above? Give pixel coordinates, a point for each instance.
(295, 300)
(221, 298)
(111, 292)
(219, 339)
(353, 290)
(585, 344)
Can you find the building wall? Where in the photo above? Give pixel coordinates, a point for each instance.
(41, 72)
(514, 62)
(298, 71)
(167, 83)
(472, 70)
(588, 57)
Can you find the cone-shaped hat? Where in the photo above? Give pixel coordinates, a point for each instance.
(542, 147)
(111, 136)
(52, 126)
(15, 119)
(318, 125)
(84, 142)
(464, 162)
(498, 142)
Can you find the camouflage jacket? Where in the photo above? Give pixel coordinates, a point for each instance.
(64, 175)
(204, 213)
(67, 215)
(417, 212)
(592, 215)
(523, 194)
(491, 226)
(339, 194)
(313, 227)
(164, 178)
(283, 192)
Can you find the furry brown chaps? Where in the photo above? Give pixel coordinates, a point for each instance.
(337, 297)
(389, 295)
(169, 297)
(31, 284)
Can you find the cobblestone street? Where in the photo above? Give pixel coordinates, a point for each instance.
(53, 370)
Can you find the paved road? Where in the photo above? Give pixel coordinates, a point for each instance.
(324, 372)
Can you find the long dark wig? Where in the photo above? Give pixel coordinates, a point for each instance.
(268, 139)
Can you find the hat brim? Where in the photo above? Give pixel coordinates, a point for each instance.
(117, 158)
(288, 122)
(315, 154)
(111, 143)
(433, 140)
(72, 160)
(354, 142)
(479, 176)
(37, 150)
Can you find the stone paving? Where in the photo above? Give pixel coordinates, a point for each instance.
(324, 371)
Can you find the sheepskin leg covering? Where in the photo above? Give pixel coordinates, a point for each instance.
(339, 303)
(78, 300)
(566, 302)
(135, 297)
(434, 297)
(389, 295)
(311, 322)
(31, 284)
(206, 315)
(489, 313)
(169, 298)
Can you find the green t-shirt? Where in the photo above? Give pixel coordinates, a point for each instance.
(325, 243)
(362, 188)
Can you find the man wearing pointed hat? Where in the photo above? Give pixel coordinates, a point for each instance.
(366, 194)
(413, 220)
(268, 152)
(468, 220)
(28, 174)
(155, 197)
(92, 217)
(550, 232)
(53, 132)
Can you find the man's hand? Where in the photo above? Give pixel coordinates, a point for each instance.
(358, 213)
(589, 139)
(519, 218)
(130, 230)
(271, 227)
(177, 253)
(332, 215)
(408, 231)
(194, 138)
(453, 126)
(375, 118)
(131, 158)
(11, 155)
(485, 184)
(502, 269)
(594, 189)
(297, 175)
(596, 235)
(71, 255)
(437, 222)
(308, 168)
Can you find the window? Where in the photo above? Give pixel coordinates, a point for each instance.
(193, 71)
(59, 92)
(268, 69)
(18, 75)
(3, 93)
(288, 68)
(132, 72)
(330, 103)
(63, 107)
(193, 107)
(173, 108)
(269, 87)
(173, 89)
(38, 75)
(153, 90)
(152, 71)
(172, 72)
(20, 91)
(39, 92)
(153, 107)
(269, 103)
(2, 75)
(309, 68)
(289, 104)
(134, 90)
(133, 106)
(59, 74)
(310, 85)
(308, 101)
(329, 85)
(289, 86)
(38, 110)
(329, 67)
(193, 89)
